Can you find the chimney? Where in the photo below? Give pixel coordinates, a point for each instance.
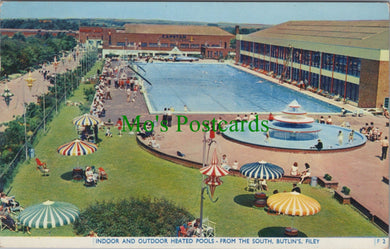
(237, 30)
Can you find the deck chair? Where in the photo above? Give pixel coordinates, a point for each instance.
(3, 226)
(45, 171)
(39, 163)
(102, 174)
(251, 184)
(41, 166)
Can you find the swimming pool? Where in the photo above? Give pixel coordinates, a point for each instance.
(219, 88)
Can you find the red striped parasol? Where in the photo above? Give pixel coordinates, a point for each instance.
(214, 169)
(213, 182)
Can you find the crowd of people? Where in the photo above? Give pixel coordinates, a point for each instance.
(294, 171)
(371, 132)
(8, 206)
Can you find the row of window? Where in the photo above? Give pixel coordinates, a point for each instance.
(332, 62)
(334, 86)
(164, 45)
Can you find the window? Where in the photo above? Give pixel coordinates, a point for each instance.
(164, 45)
(144, 44)
(315, 59)
(153, 45)
(327, 61)
(184, 45)
(297, 55)
(354, 66)
(195, 46)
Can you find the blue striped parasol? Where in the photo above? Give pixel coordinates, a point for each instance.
(49, 214)
(262, 170)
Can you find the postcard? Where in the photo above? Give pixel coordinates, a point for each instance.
(194, 124)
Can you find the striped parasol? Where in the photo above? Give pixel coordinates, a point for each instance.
(49, 214)
(261, 170)
(213, 182)
(214, 169)
(293, 203)
(86, 120)
(77, 148)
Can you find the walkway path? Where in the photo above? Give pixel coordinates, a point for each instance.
(21, 91)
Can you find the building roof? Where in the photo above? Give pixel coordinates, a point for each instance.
(363, 34)
(175, 29)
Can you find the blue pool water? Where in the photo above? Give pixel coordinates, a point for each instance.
(219, 88)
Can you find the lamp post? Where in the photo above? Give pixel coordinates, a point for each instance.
(29, 81)
(213, 171)
(55, 64)
(7, 95)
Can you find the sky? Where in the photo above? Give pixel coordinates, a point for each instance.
(213, 12)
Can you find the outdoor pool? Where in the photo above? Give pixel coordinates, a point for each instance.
(219, 88)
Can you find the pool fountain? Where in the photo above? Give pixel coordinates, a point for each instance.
(294, 130)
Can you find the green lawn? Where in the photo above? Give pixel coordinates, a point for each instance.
(132, 171)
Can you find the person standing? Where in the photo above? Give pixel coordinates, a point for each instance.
(385, 146)
(350, 136)
(119, 124)
(340, 138)
(169, 117)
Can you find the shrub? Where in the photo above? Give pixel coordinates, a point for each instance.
(327, 177)
(346, 190)
(132, 218)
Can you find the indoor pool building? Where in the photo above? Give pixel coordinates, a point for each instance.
(348, 59)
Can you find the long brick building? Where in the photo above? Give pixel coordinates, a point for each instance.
(146, 39)
(345, 58)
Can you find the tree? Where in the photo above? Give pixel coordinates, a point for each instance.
(133, 217)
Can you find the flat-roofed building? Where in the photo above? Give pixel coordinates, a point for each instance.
(345, 58)
(148, 39)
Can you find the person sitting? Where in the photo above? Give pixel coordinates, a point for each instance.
(322, 120)
(224, 162)
(89, 177)
(193, 229)
(7, 219)
(84, 135)
(294, 169)
(329, 120)
(343, 112)
(180, 154)
(153, 143)
(8, 201)
(108, 132)
(305, 173)
(238, 118)
(319, 145)
(235, 165)
(386, 113)
(263, 184)
(296, 188)
(270, 117)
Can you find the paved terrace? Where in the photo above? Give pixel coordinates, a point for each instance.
(360, 169)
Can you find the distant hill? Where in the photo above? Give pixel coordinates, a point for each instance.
(73, 24)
